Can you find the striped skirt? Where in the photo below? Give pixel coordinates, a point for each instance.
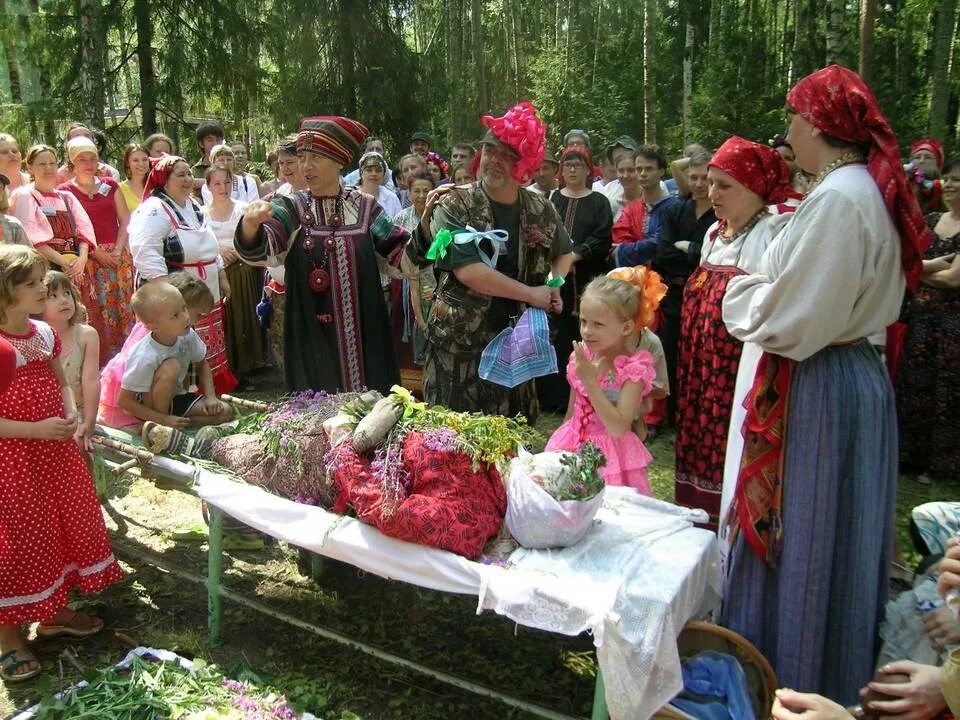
(815, 615)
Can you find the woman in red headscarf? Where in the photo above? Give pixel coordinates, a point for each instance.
(746, 179)
(813, 509)
(336, 333)
(168, 232)
(926, 160)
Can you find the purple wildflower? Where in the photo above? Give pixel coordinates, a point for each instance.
(246, 704)
(442, 439)
(232, 685)
(284, 712)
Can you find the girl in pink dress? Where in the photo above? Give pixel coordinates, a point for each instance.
(610, 378)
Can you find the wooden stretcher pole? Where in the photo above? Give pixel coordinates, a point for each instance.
(246, 404)
(137, 452)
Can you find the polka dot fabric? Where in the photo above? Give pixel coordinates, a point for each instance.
(52, 535)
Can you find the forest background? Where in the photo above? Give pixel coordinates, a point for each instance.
(664, 71)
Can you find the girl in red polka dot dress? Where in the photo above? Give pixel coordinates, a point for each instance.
(52, 535)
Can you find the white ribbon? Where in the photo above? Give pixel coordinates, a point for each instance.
(497, 237)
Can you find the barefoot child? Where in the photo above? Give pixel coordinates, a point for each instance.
(80, 355)
(52, 536)
(153, 387)
(609, 382)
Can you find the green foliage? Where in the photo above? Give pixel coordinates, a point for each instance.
(401, 65)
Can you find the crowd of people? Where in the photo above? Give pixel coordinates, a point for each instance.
(781, 305)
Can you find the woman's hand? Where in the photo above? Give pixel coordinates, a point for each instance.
(105, 258)
(433, 197)
(224, 285)
(793, 705)
(918, 699)
(256, 214)
(938, 263)
(55, 428)
(74, 269)
(942, 627)
(83, 434)
(949, 568)
(229, 254)
(585, 368)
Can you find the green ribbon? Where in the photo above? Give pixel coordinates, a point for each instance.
(438, 248)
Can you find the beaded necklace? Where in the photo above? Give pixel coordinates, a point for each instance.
(319, 278)
(848, 157)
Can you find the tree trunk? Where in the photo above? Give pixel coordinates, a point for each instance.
(687, 108)
(476, 22)
(92, 61)
(834, 31)
(148, 88)
(868, 10)
(940, 67)
(649, 106)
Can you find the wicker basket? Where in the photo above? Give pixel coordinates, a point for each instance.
(698, 636)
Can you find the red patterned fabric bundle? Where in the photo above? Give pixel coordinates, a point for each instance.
(449, 505)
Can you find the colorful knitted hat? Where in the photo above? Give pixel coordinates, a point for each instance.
(331, 136)
(523, 132)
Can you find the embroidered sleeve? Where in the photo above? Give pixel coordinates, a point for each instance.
(272, 241)
(636, 368)
(149, 226)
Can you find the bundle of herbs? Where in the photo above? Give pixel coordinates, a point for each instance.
(147, 688)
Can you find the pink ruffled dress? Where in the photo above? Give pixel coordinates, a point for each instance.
(627, 458)
(109, 412)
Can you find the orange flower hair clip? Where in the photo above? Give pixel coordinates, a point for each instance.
(652, 290)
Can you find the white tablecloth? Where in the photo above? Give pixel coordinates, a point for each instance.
(633, 582)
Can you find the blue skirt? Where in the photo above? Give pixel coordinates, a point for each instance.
(815, 615)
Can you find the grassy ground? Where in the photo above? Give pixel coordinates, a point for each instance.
(442, 631)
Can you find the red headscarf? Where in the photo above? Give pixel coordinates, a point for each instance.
(838, 102)
(160, 170)
(929, 144)
(759, 168)
(523, 132)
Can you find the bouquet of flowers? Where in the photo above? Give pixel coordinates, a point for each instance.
(552, 497)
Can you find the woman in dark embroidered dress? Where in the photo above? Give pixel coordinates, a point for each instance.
(928, 383)
(587, 218)
(336, 333)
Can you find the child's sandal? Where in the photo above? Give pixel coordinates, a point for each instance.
(13, 661)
